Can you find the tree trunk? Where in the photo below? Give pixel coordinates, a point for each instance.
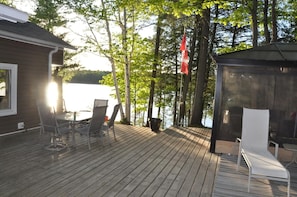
(111, 60)
(255, 23)
(187, 78)
(265, 21)
(127, 70)
(274, 21)
(154, 72)
(176, 100)
(234, 36)
(197, 110)
(234, 32)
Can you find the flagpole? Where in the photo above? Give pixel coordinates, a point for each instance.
(183, 48)
(183, 70)
(180, 91)
(180, 99)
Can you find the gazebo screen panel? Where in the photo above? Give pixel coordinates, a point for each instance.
(258, 87)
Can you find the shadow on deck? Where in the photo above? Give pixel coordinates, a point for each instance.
(175, 162)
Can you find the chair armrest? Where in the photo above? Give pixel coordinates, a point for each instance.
(238, 140)
(276, 147)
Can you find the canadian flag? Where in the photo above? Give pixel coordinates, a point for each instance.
(184, 56)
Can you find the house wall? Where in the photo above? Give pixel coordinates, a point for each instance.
(32, 64)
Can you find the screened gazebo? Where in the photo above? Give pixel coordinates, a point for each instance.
(263, 77)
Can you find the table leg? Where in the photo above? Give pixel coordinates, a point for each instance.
(56, 144)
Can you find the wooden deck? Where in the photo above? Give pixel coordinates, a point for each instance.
(175, 162)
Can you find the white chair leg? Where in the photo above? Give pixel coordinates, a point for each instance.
(249, 182)
(238, 160)
(289, 185)
(239, 156)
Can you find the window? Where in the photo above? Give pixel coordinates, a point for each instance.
(8, 89)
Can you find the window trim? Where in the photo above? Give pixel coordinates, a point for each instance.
(13, 85)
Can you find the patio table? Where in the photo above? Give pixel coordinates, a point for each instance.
(293, 149)
(74, 118)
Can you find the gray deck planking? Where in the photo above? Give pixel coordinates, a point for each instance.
(230, 182)
(175, 162)
(141, 163)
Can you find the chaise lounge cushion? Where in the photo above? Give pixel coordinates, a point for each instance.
(263, 163)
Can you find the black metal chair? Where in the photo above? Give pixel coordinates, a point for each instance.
(100, 102)
(110, 123)
(48, 123)
(95, 127)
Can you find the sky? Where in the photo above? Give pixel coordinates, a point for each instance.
(89, 61)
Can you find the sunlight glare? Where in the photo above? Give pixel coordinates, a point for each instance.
(52, 94)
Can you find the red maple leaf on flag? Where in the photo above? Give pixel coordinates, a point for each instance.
(183, 43)
(184, 62)
(185, 57)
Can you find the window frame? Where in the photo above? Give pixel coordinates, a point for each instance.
(13, 68)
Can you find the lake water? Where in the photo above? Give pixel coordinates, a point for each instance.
(81, 97)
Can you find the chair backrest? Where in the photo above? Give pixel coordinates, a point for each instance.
(100, 102)
(255, 129)
(47, 116)
(98, 119)
(113, 116)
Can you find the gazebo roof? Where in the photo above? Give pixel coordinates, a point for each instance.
(274, 52)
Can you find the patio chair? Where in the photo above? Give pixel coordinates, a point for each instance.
(95, 127)
(48, 123)
(253, 147)
(100, 102)
(110, 124)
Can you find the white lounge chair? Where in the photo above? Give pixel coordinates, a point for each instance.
(254, 148)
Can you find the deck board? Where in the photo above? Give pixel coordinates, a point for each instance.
(140, 163)
(169, 175)
(154, 161)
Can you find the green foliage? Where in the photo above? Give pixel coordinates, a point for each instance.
(6, 2)
(47, 15)
(239, 47)
(141, 65)
(87, 76)
(231, 25)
